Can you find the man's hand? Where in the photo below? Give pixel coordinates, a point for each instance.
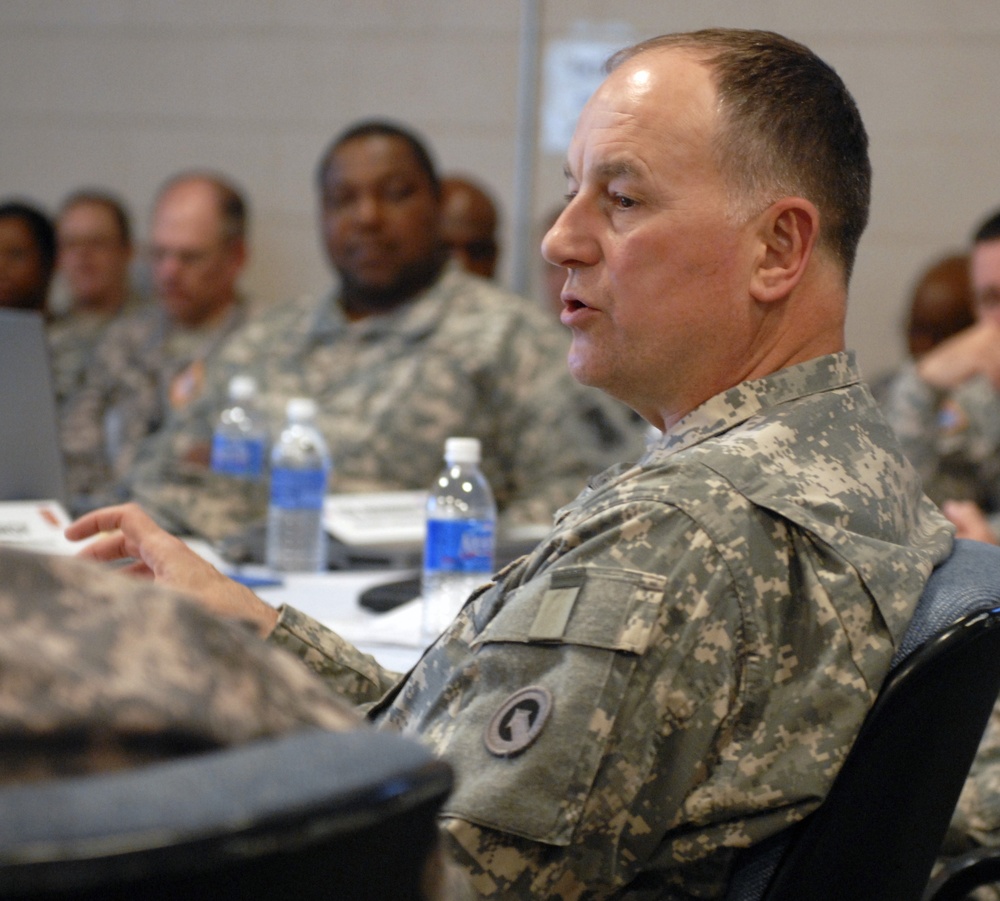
(126, 533)
(973, 351)
(969, 520)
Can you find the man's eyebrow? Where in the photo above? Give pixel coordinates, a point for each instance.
(617, 169)
(609, 170)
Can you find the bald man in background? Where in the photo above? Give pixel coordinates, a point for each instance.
(153, 363)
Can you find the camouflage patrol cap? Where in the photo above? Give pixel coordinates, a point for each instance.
(99, 671)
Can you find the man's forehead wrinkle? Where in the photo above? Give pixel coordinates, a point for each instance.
(614, 146)
(603, 161)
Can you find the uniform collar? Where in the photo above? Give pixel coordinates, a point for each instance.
(731, 408)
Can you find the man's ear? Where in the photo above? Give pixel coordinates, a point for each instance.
(787, 231)
(239, 254)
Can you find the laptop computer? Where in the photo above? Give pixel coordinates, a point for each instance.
(31, 465)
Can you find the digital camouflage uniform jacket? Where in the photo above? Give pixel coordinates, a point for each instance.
(73, 339)
(952, 438)
(141, 370)
(679, 669)
(101, 672)
(464, 357)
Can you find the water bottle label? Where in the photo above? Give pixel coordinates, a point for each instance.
(239, 457)
(459, 545)
(298, 489)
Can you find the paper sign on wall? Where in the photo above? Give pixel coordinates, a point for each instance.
(573, 68)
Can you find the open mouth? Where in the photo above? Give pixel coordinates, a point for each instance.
(575, 311)
(572, 303)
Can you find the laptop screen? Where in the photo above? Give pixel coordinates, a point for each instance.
(31, 466)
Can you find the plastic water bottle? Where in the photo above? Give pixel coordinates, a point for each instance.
(239, 443)
(461, 536)
(300, 466)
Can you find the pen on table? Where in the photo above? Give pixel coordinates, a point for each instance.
(256, 581)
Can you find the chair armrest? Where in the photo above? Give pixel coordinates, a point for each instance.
(964, 873)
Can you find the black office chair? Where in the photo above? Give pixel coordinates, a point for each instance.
(311, 815)
(876, 835)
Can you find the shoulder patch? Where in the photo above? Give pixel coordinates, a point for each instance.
(518, 722)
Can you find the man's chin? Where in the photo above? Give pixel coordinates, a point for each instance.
(186, 315)
(583, 370)
(383, 292)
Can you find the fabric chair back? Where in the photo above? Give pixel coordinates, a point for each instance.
(877, 833)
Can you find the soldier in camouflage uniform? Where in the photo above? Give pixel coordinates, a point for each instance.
(152, 363)
(679, 668)
(946, 407)
(408, 351)
(94, 237)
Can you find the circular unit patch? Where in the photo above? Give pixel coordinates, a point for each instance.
(518, 722)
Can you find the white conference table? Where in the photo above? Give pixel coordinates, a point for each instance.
(331, 598)
(392, 638)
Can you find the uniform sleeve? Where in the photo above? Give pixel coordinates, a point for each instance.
(171, 481)
(350, 673)
(911, 407)
(951, 438)
(119, 405)
(82, 427)
(628, 655)
(170, 477)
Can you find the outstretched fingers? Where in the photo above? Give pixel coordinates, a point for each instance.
(125, 532)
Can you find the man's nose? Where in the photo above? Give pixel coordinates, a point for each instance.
(567, 243)
(552, 242)
(368, 210)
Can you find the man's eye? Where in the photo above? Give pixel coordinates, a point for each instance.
(336, 201)
(623, 202)
(397, 193)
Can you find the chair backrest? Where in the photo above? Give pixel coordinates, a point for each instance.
(310, 815)
(876, 834)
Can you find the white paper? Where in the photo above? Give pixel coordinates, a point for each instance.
(394, 519)
(36, 526)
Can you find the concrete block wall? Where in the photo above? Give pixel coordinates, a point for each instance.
(121, 93)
